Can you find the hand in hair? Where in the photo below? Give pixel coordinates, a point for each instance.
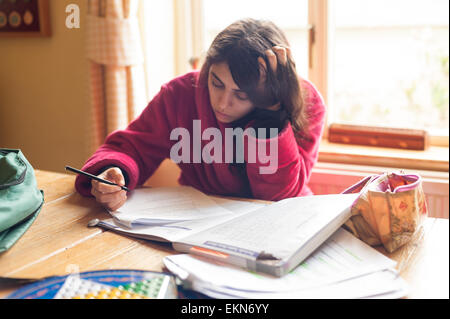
(277, 53)
(275, 115)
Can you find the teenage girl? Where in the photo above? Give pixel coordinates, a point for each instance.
(248, 80)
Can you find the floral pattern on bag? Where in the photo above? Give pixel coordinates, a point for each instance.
(389, 211)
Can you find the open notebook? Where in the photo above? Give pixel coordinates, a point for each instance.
(271, 238)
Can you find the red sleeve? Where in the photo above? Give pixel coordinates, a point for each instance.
(297, 154)
(138, 150)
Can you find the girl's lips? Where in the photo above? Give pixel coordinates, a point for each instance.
(222, 116)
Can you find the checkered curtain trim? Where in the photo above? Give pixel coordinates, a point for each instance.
(117, 81)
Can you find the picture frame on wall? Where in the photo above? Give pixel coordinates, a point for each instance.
(24, 18)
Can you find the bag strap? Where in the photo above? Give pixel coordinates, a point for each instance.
(21, 177)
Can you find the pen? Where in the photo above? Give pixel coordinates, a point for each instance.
(101, 180)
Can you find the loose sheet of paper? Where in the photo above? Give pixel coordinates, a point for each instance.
(342, 256)
(167, 205)
(239, 207)
(380, 284)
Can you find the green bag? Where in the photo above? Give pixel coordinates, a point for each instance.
(20, 199)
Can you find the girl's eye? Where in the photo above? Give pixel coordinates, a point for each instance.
(239, 96)
(242, 96)
(215, 84)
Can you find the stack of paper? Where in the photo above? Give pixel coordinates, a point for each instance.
(343, 267)
(271, 238)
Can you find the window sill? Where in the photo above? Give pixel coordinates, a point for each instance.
(435, 158)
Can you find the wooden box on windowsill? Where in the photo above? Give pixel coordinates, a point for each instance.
(379, 136)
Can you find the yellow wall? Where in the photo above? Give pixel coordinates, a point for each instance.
(44, 102)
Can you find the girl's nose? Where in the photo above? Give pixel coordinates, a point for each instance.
(225, 101)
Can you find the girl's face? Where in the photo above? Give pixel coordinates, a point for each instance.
(228, 102)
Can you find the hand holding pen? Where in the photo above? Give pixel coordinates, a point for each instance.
(108, 188)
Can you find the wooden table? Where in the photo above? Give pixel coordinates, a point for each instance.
(59, 242)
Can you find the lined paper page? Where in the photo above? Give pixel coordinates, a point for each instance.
(280, 228)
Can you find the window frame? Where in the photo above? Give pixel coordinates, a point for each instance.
(321, 38)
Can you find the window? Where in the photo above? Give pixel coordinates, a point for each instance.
(389, 63)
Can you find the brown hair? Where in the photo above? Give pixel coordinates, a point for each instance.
(240, 45)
